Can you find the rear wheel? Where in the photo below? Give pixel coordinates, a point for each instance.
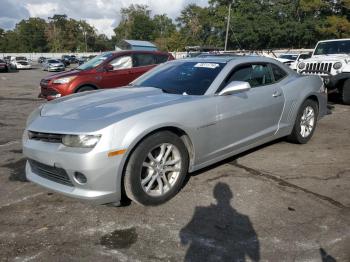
(305, 123)
(85, 88)
(345, 92)
(156, 169)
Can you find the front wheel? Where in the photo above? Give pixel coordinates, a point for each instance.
(305, 123)
(85, 88)
(156, 169)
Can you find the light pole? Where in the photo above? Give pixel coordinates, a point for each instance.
(85, 42)
(228, 24)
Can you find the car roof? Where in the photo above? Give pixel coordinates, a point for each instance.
(122, 52)
(333, 40)
(226, 59)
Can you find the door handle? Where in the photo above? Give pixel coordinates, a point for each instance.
(276, 94)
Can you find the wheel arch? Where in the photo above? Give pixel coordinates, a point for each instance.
(85, 84)
(176, 130)
(313, 98)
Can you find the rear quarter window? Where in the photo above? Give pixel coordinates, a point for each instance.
(278, 73)
(161, 58)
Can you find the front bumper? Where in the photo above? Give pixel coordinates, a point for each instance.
(330, 81)
(49, 93)
(101, 172)
(55, 69)
(24, 67)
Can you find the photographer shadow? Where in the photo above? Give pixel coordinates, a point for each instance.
(219, 232)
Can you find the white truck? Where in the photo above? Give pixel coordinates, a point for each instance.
(331, 61)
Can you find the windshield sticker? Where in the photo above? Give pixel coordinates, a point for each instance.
(207, 65)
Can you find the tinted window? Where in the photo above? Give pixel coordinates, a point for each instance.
(304, 56)
(144, 60)
(290, 57)
(255, 75)
(278, 73)
(95, 61)
(161, 58)
(122, 62)
(2, 61)
(333, 47)
(191, 78)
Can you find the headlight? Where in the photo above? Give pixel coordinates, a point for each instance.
(33, 115)
(301, 65)
(64, 80)
(80, 140)
(337, 65)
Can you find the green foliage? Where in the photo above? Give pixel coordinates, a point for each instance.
(254, 24)
(58, 34)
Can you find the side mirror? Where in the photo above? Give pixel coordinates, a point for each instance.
(235, 87)
(109, 67)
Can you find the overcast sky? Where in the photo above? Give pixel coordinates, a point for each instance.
(104, 15)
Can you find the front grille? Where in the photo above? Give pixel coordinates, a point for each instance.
(45, 137)
(320, 67)
(54, 174)
(48, 91)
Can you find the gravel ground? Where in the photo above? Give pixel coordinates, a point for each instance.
(279, 202)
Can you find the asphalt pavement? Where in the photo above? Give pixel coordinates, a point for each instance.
(279, 202)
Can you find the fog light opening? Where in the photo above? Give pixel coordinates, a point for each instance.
(80, 178)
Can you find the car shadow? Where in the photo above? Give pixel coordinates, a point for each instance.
(230, 159)
(17, 170)
(218, 232)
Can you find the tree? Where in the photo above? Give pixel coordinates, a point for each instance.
(136, 23)
(31, 35)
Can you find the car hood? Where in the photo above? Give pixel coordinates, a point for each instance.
(108, 104)
(328, 58)
(63, 74)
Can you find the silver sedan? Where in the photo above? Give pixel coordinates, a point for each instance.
(53, 65)
(179, 117)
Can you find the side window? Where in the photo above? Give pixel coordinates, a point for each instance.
(122, 62)
(161, 58)
(278, 73)
(144, 60)
(255, 74)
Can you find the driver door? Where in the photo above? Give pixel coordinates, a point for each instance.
(250, 116)
(120, 75)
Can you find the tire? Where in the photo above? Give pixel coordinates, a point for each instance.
(345, 92)
(85, 88)
(143, 168)
(303, 130)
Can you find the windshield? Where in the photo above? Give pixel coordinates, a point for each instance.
(289, 57)
(21, 58)
(187, 78)
(53, 61)
(334, 47)
(96, 61)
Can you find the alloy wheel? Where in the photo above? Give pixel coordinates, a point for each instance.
(161, 169)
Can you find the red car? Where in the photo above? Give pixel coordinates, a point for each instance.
(108, 70)
(4, 66)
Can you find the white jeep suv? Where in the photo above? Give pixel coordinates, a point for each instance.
(331, 61)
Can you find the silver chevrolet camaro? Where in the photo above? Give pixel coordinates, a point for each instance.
(142, 140)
